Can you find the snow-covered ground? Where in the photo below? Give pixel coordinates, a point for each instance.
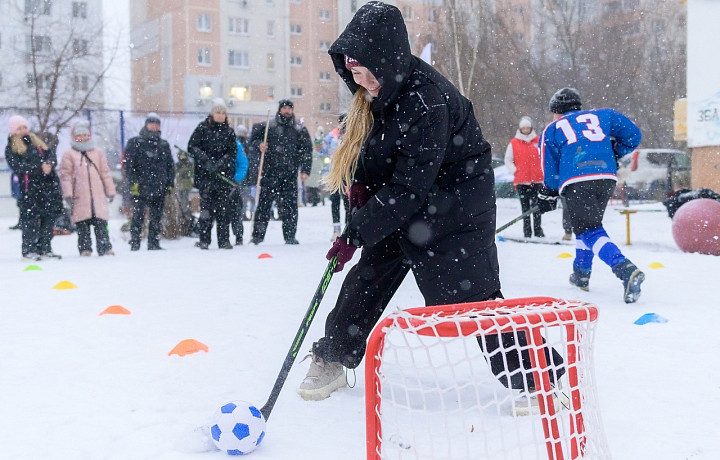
(76, 385)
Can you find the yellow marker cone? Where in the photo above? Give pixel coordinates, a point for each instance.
(31, 268)
(115, 310)
(187, 347)
(64, 285)
(564, 255)
(656, 265)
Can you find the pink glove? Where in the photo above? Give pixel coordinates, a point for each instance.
(343, 251)
(359, 196)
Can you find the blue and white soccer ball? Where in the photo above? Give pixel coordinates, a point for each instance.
(237, 428)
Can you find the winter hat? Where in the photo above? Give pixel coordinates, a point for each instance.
(525, 122)
(80, 127)
(218, 106)
(350, 62)
(152, 117)
(16, 121)
(241, 131)
(285, 103)
(565, 100)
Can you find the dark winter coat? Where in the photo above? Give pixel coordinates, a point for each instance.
(149, 163)
(39, 194)
(213, 148)
(425, 161)
(289, 150)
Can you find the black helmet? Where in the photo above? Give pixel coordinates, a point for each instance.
(565, 100)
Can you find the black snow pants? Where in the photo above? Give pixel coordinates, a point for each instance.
(215, 206)
(156, 205)
(285, 192)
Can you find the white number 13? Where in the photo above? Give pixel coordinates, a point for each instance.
(593, 132)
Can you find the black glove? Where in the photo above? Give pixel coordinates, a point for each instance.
(213, 167)
(547, 200)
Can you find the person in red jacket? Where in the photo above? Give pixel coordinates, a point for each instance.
(522, 158)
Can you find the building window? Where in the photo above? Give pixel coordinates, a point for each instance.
(79, 10)
(80, 83)
(239, 26)
(39, 44)
(43, 81)
(38, 7)
(238, 58)
(324, 76)
(296, 92)
(295, 29)
(271, 29)
(407, 13)
(203, 23)
(271, 93)
(324, 15)
(295, 1)
(1, 81)
(80, 46)
(241, 93)
(271, 61)
(206, 91)
(325, 106)
(432, 15)
(324, 45)
(270, 2)
(204, 56)
(295, 61)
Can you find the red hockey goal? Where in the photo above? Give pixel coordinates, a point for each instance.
(430, 393)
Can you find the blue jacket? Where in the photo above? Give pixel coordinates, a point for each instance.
(241, 163)
(578, 146)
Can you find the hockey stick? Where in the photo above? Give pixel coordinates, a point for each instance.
(299, 337)
(220, 176)
(517, 219)
(260, 168)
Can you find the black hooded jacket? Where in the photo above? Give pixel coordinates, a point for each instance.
(425, 160)
(149, 163)
(39, 193)
(213, 147)
(289, 150)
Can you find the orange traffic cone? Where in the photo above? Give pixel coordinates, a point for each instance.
(115, 310)
(188, 347)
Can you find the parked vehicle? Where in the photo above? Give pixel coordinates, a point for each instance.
(503, 180)
(652, 174)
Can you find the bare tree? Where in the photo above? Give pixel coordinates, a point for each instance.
(65, 63)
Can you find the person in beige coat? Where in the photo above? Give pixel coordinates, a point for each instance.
(87, 188)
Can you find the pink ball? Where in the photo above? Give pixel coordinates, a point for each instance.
(696, 226)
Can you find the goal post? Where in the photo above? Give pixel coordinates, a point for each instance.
(430, 392)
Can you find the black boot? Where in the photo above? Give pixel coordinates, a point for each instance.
(580, 278)
(632, 277)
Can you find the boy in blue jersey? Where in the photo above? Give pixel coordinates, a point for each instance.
(579, 152)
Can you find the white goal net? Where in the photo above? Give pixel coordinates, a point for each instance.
(507, 379)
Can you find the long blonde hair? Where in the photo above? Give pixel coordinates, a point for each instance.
(19, 147)
(357, 123)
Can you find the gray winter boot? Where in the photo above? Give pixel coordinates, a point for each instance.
(322, 379)
(580, 278)
(632, 277)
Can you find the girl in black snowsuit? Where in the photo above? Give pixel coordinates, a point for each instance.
(40, 199)
(421, 190)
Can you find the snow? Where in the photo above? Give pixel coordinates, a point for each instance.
(76, 385)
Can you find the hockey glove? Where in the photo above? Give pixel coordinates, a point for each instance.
(547, 200)
(135, 189)
(359, 196)
(343, 250)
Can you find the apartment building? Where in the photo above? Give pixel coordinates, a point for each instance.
(54, 47)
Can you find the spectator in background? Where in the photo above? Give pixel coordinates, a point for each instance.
(15, 193)
(183, 185)
(241, 133)
(87, 187)
(313, 182)
(214, 149)
(150, 171)
(287, 150)
(331, 142)
(522, 159)
(238, 197)
(40, 200)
